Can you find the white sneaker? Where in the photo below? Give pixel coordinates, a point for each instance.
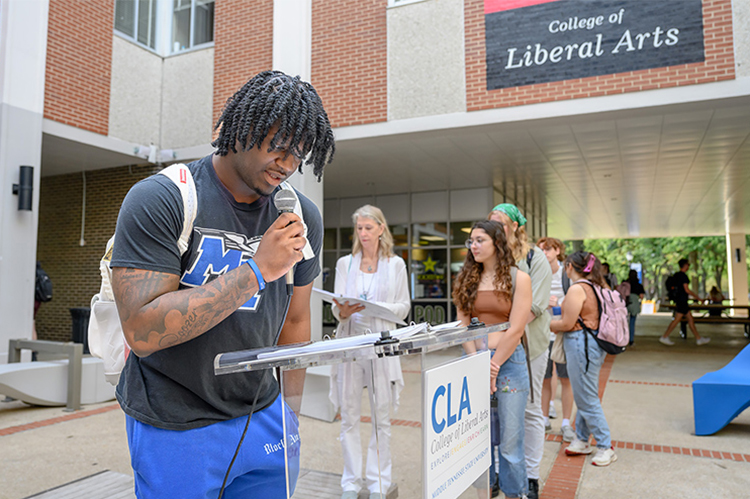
(702, 341)
(578, 448)
(568, 433)
(552, 411)
(666, 341)
(604, 457)
(350, 494)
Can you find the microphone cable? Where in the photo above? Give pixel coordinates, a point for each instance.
(255, 400)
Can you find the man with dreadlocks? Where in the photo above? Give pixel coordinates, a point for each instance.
(226, 292)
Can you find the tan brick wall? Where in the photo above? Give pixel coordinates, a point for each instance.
(349, 60)
(718, 65)
(74, 269)
(243, 45)
(79, 59)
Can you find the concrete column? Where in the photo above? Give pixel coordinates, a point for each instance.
(23, 52)
(737, 268)
(292, 49)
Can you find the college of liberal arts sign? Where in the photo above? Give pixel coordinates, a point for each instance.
(538, 41)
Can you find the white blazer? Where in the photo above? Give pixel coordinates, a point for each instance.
(395, 297)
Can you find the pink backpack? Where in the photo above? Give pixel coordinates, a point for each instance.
(613, 334)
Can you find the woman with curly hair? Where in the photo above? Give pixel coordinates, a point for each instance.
(490, 288)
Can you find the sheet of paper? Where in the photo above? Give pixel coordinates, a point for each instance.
(371, 309)
(342, 343)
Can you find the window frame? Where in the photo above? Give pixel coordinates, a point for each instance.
(134, 37)
(163, 19)
(191, 35)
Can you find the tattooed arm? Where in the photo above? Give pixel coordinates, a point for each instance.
(156, 315)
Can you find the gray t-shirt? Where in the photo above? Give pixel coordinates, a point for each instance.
(176, 388)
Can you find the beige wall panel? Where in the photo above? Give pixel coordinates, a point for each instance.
(188, 99)
(134, 104)
(426, 59)
(741, 28)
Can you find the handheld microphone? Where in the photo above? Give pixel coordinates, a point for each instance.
(286, 201)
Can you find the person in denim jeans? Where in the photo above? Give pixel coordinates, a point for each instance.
(490, 288)
(584, 357)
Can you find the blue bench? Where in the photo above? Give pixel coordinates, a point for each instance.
(720, 396)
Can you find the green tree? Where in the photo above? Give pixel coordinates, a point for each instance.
(659, 256)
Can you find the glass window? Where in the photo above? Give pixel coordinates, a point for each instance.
(329, 269)
(125, 17)
(147, 22)
(181, 25)
(347, 238)
(137, 19)
(429, 234)
(400, 234)
(403, 253)
(203, 31)
(192, 23)
(458, 255)
(460, 232)
(329, 239)
(429, 273)
(434, 312)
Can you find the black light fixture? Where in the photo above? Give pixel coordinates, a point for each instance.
(25, 188)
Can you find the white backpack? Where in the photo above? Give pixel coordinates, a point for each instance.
(106, 339)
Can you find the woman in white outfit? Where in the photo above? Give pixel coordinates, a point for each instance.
(374, 273)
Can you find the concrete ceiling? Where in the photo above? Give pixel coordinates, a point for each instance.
(682, 169)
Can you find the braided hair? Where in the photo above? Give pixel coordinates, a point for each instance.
(273, 98)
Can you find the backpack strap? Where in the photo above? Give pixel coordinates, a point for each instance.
(524, 338)
(585, 328)
(183, 179)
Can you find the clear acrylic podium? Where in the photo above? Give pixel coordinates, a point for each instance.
(438, 440)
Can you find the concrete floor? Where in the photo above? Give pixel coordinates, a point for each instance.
(648, 400)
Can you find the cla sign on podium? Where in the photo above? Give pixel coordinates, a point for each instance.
(457, 434)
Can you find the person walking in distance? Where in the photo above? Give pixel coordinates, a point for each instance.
(371, 272)
(634, 301)
(226, 293)
(681, 306)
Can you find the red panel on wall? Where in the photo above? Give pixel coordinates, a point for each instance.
(491, 6)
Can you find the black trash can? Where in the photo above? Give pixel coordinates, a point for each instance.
(80, 317)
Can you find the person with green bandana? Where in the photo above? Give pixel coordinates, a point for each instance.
(531, 259)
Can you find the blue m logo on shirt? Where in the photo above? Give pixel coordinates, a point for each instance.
(217, 253)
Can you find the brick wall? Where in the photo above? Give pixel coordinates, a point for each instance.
(74, 269)
(349, 60)
(243, 46)
(79, 58)
(718, 65)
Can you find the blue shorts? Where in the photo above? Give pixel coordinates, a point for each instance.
(192, 463)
